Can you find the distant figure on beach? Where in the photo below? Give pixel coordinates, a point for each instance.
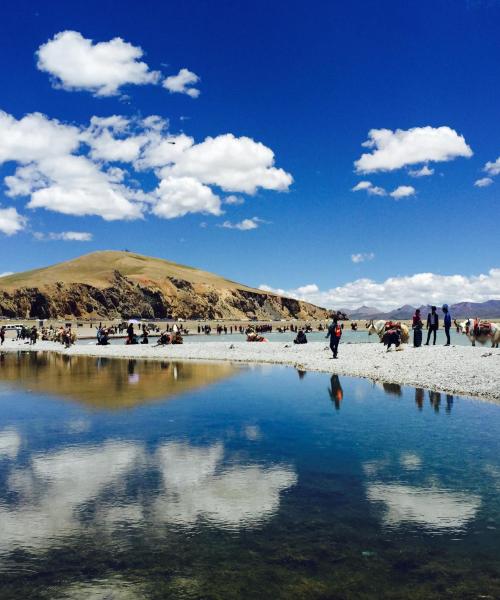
(334, 333)
(447, 323)
(33, 335)
(417, 327)
(301, 338)
(131, 338)
(432, 325)
(2, 335)
(145, 339)
(335, 391)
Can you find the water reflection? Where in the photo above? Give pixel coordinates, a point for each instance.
(108, 383)
(62, 493)
(335, 391)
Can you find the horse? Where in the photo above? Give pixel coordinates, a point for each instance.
(379, 327)
(481, 331)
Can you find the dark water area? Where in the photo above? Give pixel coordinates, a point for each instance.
(129, 479)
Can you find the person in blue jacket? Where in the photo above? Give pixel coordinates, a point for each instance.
(447, 323)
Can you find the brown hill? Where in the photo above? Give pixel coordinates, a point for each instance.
(114, 284)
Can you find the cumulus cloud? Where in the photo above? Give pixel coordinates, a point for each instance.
(362, 257)
(76, 63)
(6, 273)
(244, 225)
(418, 289)
(371, 189)
(234, 200)
(425, 171)
(234, 164)
(182, 83)
(403, 191)
(178, 196)
(74, 170)
(65, 236)
(11, 221)
(492, 168)
(483, 182)
(396, 149)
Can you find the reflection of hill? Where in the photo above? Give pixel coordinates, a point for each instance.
(108, 383)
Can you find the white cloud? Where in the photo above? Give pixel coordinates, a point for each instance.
(234, 164)
(182, 83)
(178, 196)
(396, 149)
(371, 189)
(403, 191)
(35, 137)
(73, 170)
(425, 171)
(362, 257)
(76, 63)
(244, 225)
(234, 200)
(66, 236)
(418, 289)
(492, 168)
(483, 182)
(6, 273)
(11, 221)
(432, 508)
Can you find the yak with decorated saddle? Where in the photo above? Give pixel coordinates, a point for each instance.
(481, 331)
(381, 328)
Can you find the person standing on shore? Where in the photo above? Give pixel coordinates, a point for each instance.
(447, 323)
(417, 326)
(2, 335)
(334, 333)
(432, 325)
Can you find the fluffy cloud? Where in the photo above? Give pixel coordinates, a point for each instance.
(73, 170)
(11, 221)
(396, 149)
(234, 200)
(65, 236)
(182, 83)
(425, 171)
(371, 189)
(362, 257)
(76, 63)
(35, 137)
(178, 196)
(483, 182)
(234, 164)
(403, 191)
(492, 168)
(244, 225)
(418, 289)
(6, 273)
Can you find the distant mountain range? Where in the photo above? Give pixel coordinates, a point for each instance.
(489, 309)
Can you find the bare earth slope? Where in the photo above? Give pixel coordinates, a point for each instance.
(113, 284)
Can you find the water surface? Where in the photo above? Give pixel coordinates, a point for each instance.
(129, 479)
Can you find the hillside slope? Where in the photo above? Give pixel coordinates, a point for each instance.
(113, 284)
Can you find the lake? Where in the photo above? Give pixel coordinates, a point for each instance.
(129, 479)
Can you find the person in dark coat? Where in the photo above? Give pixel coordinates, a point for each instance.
(301, 338)
(447, 323)
(417, 326)
(432, 325)
(334, 333)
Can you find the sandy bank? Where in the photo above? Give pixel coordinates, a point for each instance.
(456, 370)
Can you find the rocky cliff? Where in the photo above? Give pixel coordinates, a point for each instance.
(125, 285)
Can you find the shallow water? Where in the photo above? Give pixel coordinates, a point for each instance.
(348, 337)
(129, 479)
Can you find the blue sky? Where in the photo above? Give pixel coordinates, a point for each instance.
(306, 80)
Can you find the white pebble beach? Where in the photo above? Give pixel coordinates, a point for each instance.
(463, 370)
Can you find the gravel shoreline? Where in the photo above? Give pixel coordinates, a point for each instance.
(462, 370)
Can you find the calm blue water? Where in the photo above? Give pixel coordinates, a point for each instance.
(128, 479)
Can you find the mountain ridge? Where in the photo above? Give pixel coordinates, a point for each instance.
(121, 284)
